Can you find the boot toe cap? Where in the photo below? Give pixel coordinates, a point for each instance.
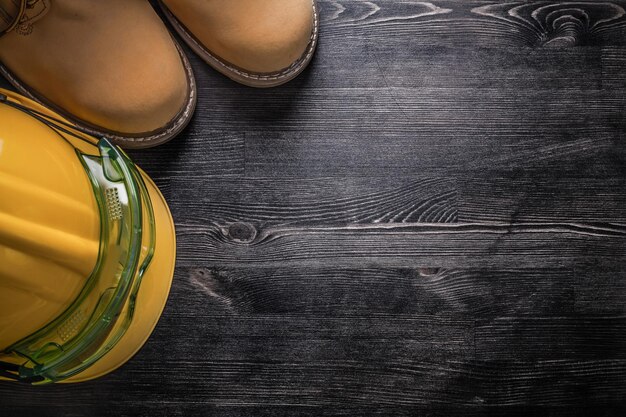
(133, 101)
(267, 50)
(253, 36)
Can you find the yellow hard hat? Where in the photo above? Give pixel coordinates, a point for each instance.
(87, 249)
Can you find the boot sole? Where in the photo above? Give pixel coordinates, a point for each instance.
(127, 141)
(251, 79)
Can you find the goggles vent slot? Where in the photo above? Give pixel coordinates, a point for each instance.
(73, 326)
(113, 203)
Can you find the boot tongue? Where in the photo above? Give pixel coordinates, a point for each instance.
(21, 14)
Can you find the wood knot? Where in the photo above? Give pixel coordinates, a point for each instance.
(427, 272)
(242, 232)
(221, 286)
(565, 28)
(478, 400)
(555, 24)
(211, 283)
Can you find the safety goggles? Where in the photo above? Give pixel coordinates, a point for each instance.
(103, 310)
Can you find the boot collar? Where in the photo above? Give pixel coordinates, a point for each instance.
(20, 15)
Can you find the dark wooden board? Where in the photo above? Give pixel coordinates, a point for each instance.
(429, 221)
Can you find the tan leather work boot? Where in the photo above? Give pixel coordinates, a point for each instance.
(260, 43)
(110, 66)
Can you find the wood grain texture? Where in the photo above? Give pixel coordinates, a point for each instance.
(153, 409)
(613, 64)
(536, 338)
(283, 202)
(412, 245)
(486, 293)
(420, 110)
(459, 22)
(517, 197)
(428, 221)
(214, 153)
(564, 151)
